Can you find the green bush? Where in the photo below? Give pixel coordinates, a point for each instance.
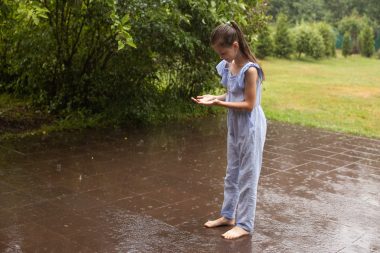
(367, 42)
(309, 41)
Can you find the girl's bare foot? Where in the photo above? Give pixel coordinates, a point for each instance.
(235, 233)
(219, 222)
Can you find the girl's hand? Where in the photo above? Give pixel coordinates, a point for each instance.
(203, 98)
(206, 102)
(210, 102)
(206, 97)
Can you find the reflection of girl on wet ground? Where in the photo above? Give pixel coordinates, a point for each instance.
(241, 76)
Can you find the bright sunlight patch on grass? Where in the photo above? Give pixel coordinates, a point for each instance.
(341, 94)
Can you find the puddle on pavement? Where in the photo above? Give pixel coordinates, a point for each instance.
(151, 190)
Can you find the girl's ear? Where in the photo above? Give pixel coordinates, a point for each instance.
(235, 44)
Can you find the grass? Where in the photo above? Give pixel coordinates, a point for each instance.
(340, 94)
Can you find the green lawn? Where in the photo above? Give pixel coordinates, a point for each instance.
(337, 94)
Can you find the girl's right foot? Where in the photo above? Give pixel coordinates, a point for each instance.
(219, 222)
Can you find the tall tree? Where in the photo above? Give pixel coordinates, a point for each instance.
(298, 10)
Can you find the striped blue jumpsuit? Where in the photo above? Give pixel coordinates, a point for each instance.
(245, 144)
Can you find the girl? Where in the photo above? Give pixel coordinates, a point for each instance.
(246, 123)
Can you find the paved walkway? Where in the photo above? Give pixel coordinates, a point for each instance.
(151, 191)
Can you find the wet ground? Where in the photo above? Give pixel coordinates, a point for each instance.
(151, 191)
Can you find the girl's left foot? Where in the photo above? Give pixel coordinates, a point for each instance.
(235, 233)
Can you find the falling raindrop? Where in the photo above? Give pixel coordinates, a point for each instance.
(140, 143)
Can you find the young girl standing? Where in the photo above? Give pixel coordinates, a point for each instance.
(246, 123)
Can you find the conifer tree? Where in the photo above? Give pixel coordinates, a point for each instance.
(367, 42)
(302, 39)
(328, 36)
(282, 38)
(264, 45)
(317, 47)
(347, 45)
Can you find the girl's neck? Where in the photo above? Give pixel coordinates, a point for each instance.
(240, 60)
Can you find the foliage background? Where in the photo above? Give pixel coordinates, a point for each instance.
(120, 62)
(108, 62)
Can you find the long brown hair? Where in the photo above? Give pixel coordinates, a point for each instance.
(226, 34)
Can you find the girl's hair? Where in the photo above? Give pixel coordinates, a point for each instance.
(226, 34)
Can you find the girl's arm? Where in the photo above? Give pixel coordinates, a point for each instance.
(221, 97)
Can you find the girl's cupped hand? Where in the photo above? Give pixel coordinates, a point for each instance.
(206, 100)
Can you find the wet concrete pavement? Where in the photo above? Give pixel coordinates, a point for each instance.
(151, 190)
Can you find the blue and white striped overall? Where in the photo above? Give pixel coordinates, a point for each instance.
(245, 144)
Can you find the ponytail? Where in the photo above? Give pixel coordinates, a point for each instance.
(244, 48)
(226, 34)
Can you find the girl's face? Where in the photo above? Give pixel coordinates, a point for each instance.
(227, 53)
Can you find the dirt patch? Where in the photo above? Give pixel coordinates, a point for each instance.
(21, 118)
(362, 92)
